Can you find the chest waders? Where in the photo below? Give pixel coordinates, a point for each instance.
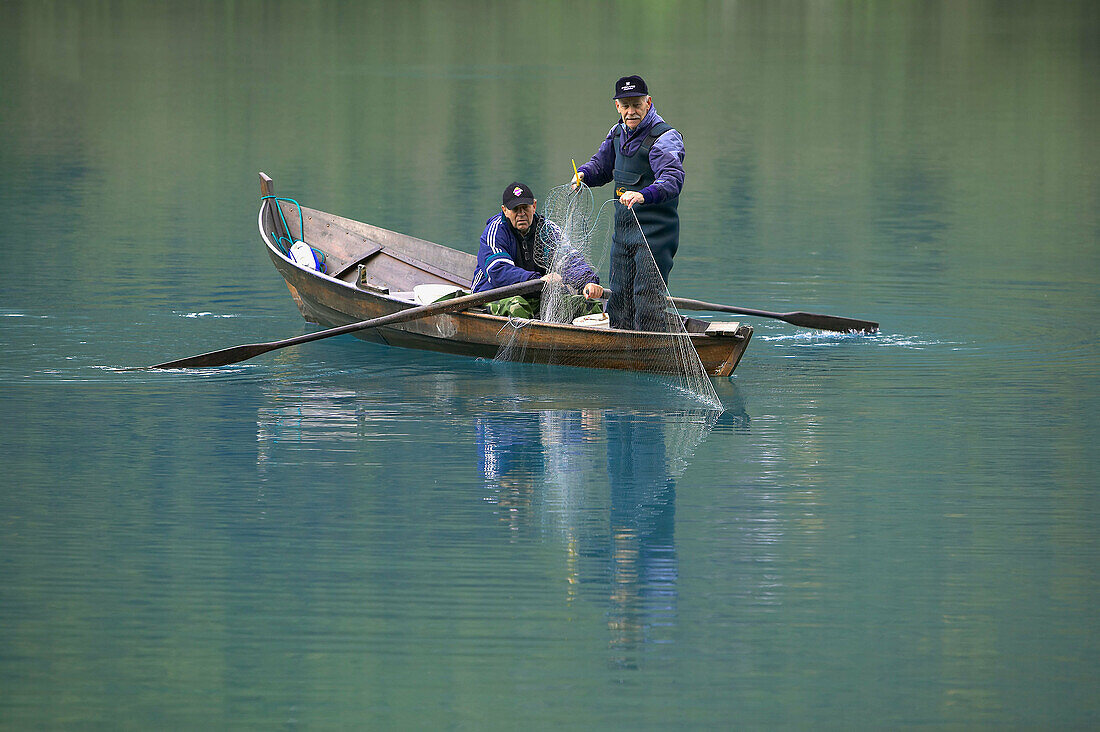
(635, 302)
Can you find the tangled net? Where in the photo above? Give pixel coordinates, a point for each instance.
(575, 239)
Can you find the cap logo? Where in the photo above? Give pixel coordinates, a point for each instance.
(517, 191)
(627, 87)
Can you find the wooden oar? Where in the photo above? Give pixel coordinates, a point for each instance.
(236, 354)
(805, 320)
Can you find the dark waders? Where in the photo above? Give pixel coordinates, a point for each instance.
(636, 301)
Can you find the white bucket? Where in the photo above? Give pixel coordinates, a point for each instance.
(595, 320)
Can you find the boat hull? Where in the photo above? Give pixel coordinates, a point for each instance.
(363, 258)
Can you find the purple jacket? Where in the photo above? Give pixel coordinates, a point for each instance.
(666, 158)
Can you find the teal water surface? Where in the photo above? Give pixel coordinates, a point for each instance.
(884, 531)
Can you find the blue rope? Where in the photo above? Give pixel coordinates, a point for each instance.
(321, 257)
(301, 223)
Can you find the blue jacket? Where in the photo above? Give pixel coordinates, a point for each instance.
(504, 257)
(510, 446)
(666, 158)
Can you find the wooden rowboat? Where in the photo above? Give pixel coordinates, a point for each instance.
(370, 272)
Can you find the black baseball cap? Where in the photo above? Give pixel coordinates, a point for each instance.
(517, 194)
(630, 86)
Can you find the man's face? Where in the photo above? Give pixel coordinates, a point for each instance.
(521, 216)
(633, 110)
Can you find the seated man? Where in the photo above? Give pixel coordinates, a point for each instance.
(508, 254)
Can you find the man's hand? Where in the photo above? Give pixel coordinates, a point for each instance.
(629, 198)
(552, 278)
(593, 291)
(576, 182)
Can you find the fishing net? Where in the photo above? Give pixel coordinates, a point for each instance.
(640, 330)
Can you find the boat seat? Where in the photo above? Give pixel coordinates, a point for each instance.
(723, 328)
(694, 325)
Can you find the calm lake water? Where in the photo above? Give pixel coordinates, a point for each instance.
(896, 530)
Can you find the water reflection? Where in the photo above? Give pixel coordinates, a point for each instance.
(580, 468)
(546, 471)
(511, 462)
(643, 564)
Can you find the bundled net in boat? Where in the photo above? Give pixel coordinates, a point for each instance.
(650, 336)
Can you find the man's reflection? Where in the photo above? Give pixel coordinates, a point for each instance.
(643, 565)
(618, 533)
(511, 460)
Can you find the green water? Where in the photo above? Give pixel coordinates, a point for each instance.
(884, 531)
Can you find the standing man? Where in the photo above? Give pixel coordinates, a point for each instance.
(644, 155)
(507, 254)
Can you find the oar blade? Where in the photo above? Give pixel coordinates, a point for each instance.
(223, 357)
(830, 322)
